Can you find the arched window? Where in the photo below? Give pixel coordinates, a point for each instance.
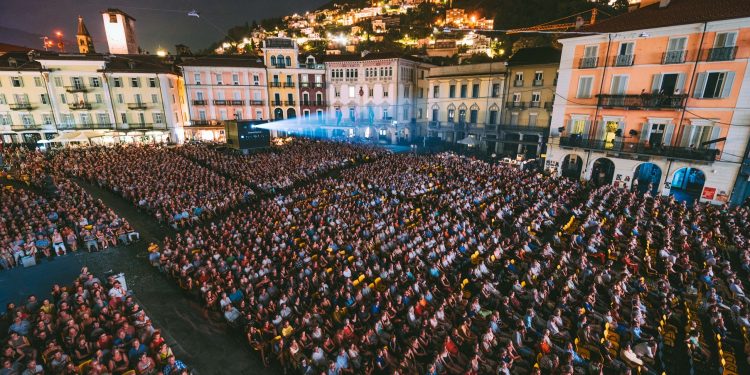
(288, 61)
(273, 60)
(280, 58)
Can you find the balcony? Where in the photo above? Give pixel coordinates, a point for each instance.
(199, 102)
(274, 84)
(137, 106)
(220, 102)
(84, 126)
(319, 85)
(313, 103)
(549, 105)
(79, 106)
(237, 102)
(522, 128)
(535, 104)
(645, 101)
(515, 105)
(20, 106)
(588, 62)
(623, 60)
(76, 88)
(289, 102)
(143, 125)
(686, 153)
(206, 123)
(673, 57)
(721, 54)
(256, 102)
(276, 103)
(538, 82)
(518, 83)
(289, 84)
(20, 128)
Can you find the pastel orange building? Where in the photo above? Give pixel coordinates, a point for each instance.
(657, 99)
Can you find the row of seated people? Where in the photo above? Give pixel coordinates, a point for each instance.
(173, 189)
(39, 225)
(87, 328)
(297, 160)
(405, 265)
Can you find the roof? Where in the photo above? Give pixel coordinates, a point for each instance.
(5, 47)
(139, 64)
(372, 56)
(678, 12)
(82, 30)
(535, 56)
(18, 60)
(115, 10)
(243, 61)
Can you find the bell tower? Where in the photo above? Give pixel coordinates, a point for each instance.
(83, 38)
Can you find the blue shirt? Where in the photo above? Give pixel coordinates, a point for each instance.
(178, 365)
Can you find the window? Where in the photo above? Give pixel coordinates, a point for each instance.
(473, 116)
(578, 126)
(493, 117)
(516, 97)
(236, 79)
(518, 82)
(407, 89)
(135, 82)
(421, 92)
(117, 82)
(259, 115)
(675, 51)
(406, 113)
(27, 119)
(102, 118)
(199, 95)
(619, 85)
(435, 91)
(112, 18)
(154, 98)
(63, 99)
(38, 81)
(223, 114)
(351, 92)
(16, 81)
(584, 87)
(724, 47)
(197, 78)
(137, 98)
(725, 40)
(219, 79)
(120, 98)
(158, 118)
(696, 135)
(451, 115)
(2, 99)
(273, 60)
(202, 115)
(5, 119)
(495, 90)
(538, 76)
(95, 82)
(713, 85)
(536, 97)
(44, 99)
(475, 90)
(152, 82)
(419, 113)
(370, 92)
(256, 80)
(98, 98)
(124, 117)
(336, 93)
(452, 91)
(46, 119)
(385, 93)
(532, 118)
(463, 91)
(58, 82)
(625, 54)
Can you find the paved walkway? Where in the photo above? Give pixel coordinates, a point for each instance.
(203, 344)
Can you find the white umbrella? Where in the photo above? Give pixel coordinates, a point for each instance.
(469, 141)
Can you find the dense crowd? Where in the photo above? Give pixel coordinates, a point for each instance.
(87, 328)
(445, 265)
(295, 161)
(34, 225)
(173, 189)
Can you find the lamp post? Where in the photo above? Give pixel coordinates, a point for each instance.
(60, 43)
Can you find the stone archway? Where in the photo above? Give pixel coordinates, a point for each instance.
(603, 172)
(647, 177)
(571, 166)
(687, 184)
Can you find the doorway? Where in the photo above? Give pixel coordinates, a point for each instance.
(687, 185)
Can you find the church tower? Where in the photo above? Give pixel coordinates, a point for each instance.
(85, 43)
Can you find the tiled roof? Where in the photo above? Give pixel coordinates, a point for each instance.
(5, 47)
(678, 12)
(371, 56)
(535, 56)
(225, 60)
(139, 64)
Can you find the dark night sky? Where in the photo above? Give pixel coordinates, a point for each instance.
(158, 22)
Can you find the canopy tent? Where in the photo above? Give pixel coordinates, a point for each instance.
(77, 136)
(469, 141)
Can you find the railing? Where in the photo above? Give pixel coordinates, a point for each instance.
(26, 127)
(137, 105)
(535, 104)
(588, 62)
(549, 105)
(79, 106)
(220, 102)
(205, 123)
(141, 125)
(289, 102)
(276, 102)
(319, 85)
(687, 153)
(644, 101)
(289, 84)
(84, 126)
(313, 103)
(76, 88)
(256, 102)
(721, 54)
(274, 84)
(674, 57)
(538, 82)
(199, 102)
(518, 83)
(623, 60)
(20, 106)
(237, 102)
(520, 128)
(515, 105)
